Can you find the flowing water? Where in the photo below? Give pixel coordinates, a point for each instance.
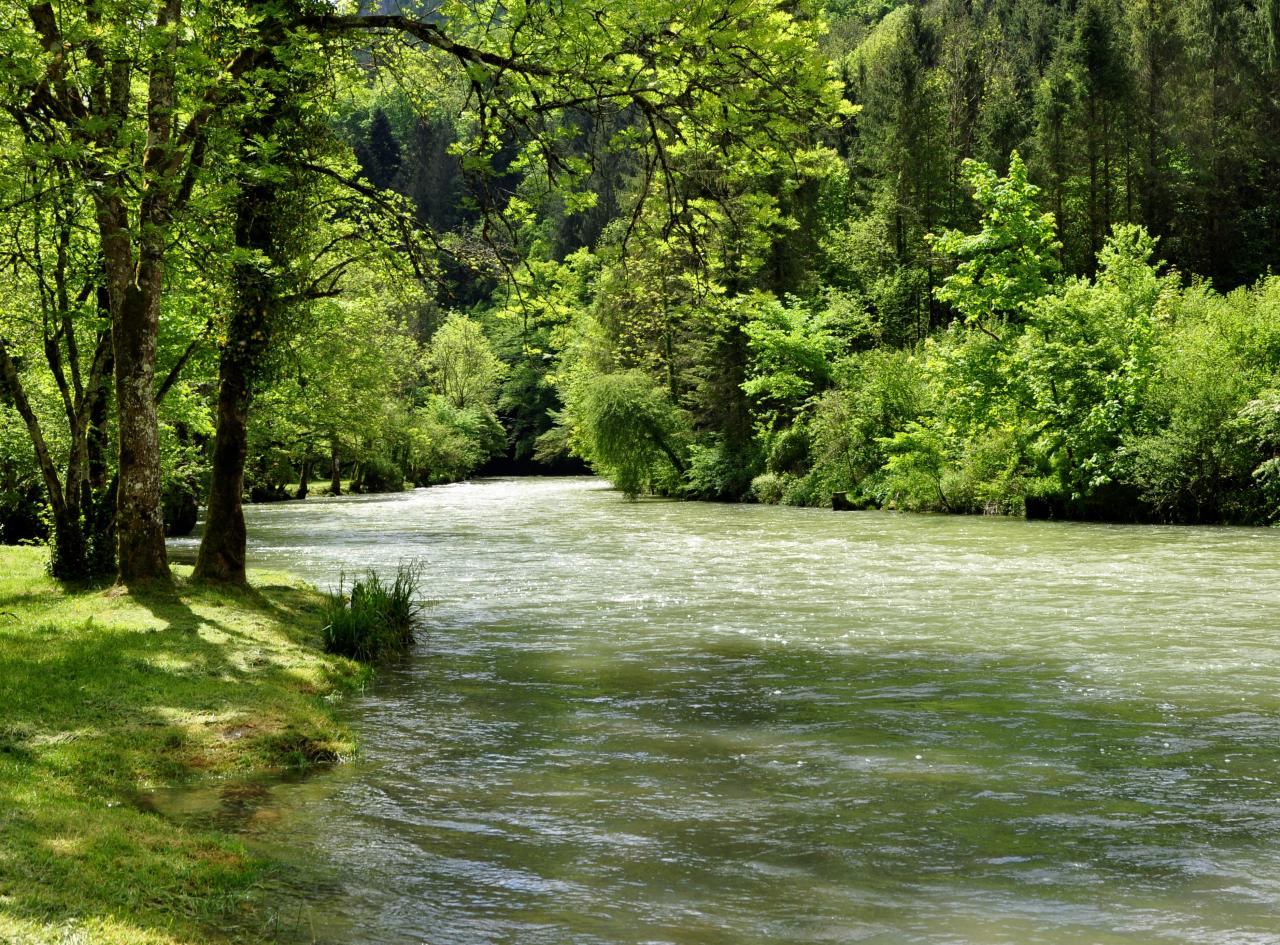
(659, 722)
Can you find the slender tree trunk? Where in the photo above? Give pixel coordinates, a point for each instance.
(139, 519)
(98, 434)
(1106, 172)
(304, 475)
(335, 470)
(1094, 242)
(44, 459)
(222, 547)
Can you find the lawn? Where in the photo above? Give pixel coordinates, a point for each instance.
(104, 695)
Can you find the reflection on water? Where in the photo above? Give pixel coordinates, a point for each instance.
(697, 724)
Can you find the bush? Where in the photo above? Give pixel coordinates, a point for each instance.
(1197, 459)
(769, 488)
(378, 474)
(716, 473)
(449, 443)
(879, 393)
(376, 619)
(810, 491)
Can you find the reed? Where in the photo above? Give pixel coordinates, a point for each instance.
(376, 618)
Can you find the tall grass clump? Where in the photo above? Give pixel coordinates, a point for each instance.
(376, 619)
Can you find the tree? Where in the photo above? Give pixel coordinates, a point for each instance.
(1006, 265)
(630, 428)
(461, 364)
(345, 385)
(1105, 91)
(71, 76)
(379, 154)
(52, 307)
(273, 218)
(904, 144)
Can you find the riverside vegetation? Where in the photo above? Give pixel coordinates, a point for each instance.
(1009, 258)
(1012, 257)
(107, 695)
(377, 619)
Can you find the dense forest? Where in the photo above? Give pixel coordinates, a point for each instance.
(1009, 257)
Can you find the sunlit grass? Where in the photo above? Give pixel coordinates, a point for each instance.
(105, 694)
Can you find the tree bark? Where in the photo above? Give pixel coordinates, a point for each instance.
(139, 518)
(260, 229)
(304, 476)
(135, 281)
(222, 547)
(335, 469)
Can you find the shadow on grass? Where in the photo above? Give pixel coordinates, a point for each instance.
(105, 694)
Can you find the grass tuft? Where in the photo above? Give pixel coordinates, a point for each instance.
(376, 619)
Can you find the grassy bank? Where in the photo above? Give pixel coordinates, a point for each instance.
(104, 695)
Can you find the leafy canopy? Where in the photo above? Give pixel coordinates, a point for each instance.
(1009, 262)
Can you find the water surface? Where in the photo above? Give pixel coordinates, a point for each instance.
(695, 724)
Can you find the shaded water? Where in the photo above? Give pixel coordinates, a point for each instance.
(703, 724)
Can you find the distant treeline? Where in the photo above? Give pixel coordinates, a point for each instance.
(789, 323)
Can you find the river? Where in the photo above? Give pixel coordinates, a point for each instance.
(696, 724)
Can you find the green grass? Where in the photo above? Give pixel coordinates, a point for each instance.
(320, 488)
(105, 694)
(316, 488)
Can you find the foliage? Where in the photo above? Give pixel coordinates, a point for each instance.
(790, 356)
(629, 428)
(461, 365)
(448, 443)
(1006, 266)
(1204, 456)
(789, 244)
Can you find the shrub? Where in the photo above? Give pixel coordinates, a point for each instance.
(716, 473)
(810, 491)
(449, 443)
(378, 474)
(376, 619)
(769, 488)
(1196, 460)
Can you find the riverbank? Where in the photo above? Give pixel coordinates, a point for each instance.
(106, 695)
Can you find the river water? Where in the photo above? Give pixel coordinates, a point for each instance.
(657, 722)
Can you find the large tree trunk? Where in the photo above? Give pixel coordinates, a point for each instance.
(222, 547)
(139, 518)
(249, 336)
(135, 282)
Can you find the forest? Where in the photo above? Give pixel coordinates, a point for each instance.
(1011, 257)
